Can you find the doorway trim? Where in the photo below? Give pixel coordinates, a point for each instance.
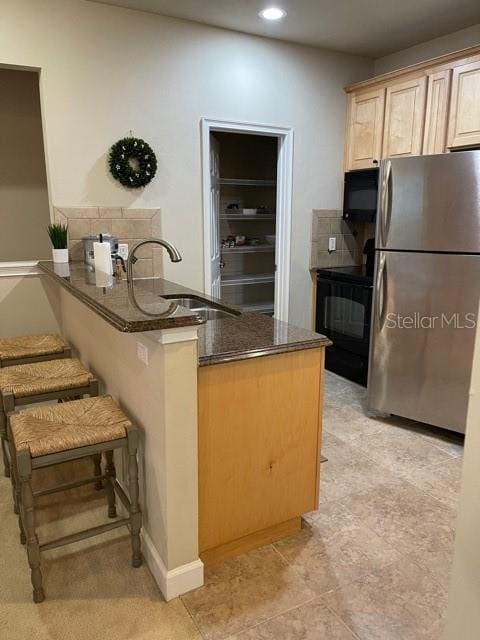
(284, 202)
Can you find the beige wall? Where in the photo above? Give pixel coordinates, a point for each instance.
(107, 70)
(26, 306)
(24, 207)
(437, 47)
(463, 617)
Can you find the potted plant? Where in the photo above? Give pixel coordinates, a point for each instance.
(58, 234)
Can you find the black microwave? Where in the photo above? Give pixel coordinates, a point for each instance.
(360, 195)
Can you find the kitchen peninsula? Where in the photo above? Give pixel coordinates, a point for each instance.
(230, 410)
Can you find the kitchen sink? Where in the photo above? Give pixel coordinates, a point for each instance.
(213, 314)
(201, 307)
(188, 303)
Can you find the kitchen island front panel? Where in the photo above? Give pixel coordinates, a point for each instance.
(259, 433)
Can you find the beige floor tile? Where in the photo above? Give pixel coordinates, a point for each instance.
(441, 481)
(245, 591)
(399, 602)
(335, 549)
(353, 425)
(347, 471)
(436, 562)
(401, 449)
(449, 441)
(312, 621)
(403, 516)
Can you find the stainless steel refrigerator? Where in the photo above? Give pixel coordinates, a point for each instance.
(427, 288)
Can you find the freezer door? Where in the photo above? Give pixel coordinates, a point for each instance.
(430, 203)
(423, 331)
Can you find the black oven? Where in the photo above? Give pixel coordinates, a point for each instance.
(360, 195)
(344, 305)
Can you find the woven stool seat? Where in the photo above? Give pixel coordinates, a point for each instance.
(30, 346)
(51, 429)
(44, 377)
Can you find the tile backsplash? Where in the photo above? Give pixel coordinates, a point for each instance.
(128, 225)
(328, 223)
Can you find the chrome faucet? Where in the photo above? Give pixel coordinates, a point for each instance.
(173, 252)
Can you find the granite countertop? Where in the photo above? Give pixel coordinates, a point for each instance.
(146, 310)
(242, 336)
(251, 335)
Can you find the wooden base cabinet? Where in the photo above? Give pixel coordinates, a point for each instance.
(259, 438)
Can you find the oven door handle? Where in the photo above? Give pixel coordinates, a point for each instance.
(381, 292)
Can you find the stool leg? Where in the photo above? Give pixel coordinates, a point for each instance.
(17, 501)
(6, 464)
(12, 475)
(112, 474)
(135, 514)
(3, 434)
(24, 469)
(15, 483)
(17, 497)
(97, 468)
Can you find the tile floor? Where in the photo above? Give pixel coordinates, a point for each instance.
(372, 563)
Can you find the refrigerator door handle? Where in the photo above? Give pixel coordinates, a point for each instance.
(385, 201)
(381, 293)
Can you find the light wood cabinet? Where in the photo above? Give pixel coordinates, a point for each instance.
(438, 93)
(259, 430)
(404, 118)
(426, 108)
(464, 125)
(365, 127)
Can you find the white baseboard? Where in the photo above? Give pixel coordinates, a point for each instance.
(176, 581)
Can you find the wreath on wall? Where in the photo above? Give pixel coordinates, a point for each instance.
(132, 162)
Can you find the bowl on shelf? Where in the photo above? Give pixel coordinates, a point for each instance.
(270, 239)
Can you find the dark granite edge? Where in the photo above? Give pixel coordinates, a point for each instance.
(125, 326)
(234, 356)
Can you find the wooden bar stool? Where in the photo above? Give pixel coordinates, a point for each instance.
(53, 434)
(38, 382)
(27, 349)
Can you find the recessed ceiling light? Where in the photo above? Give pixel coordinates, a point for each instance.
(272, 13)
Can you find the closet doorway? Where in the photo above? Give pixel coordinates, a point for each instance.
(247, 187)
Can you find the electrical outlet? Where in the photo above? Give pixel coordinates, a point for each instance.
(142, 353)
(123, 251)
(332, 244)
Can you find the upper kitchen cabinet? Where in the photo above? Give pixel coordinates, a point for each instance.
(426, 108)
(434, 139)
(404, 118)
(464, 125)
(364, 129)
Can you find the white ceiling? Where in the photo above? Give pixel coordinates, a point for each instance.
(371, 28)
